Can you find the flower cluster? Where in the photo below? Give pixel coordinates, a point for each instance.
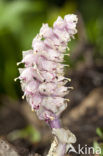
(42, 79)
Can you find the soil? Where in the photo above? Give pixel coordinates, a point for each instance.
(83, 116)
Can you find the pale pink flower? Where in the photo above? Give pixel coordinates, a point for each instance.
(54, 103)
(38, 44)
(46, 31)
(44, 64)
(32, 87)
(26, 74)
(71, 21)
(30, 60)
(59, 24)
(35, 101)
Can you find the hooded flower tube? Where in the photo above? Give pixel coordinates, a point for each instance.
(42, 78)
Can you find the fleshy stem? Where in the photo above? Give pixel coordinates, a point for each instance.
(55, 123)
(61, 148)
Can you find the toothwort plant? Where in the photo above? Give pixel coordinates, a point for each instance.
(43, 82)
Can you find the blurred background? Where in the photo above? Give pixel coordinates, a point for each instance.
(20, 21)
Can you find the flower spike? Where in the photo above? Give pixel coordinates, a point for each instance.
(42, 78)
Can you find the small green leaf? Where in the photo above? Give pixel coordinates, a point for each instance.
(99, 133)
(28, 132)
(95, 145)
